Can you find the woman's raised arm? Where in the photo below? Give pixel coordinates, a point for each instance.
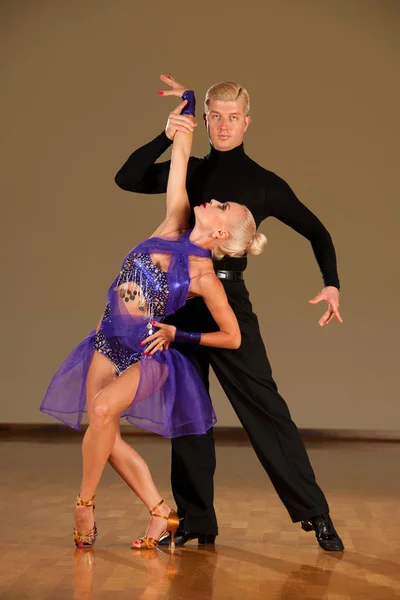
(177, 201)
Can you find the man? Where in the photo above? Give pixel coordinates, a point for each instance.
(227, 173)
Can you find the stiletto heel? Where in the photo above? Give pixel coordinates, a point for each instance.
(88, 539)
(172, 540)
(148, 543)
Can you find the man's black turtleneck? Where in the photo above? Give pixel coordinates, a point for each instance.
(232, 176)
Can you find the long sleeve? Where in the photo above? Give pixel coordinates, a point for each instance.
(284, 205)
(140, 174)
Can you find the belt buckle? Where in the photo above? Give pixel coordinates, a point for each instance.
(222, 274)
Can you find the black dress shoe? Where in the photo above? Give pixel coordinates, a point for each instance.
(182, 536)
(325, 532)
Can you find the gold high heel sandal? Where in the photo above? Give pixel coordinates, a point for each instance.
(88, 539)
(148, 543)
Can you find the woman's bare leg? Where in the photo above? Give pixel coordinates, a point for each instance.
(103, 410)
(133, 469)
(101, 373)
(125, 460)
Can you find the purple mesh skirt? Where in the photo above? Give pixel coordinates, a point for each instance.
(171, 399)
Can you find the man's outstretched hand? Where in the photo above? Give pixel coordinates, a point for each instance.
(176, 121)
(330, 295)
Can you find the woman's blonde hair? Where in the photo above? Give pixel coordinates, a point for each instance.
(227, 90)
(243, 238)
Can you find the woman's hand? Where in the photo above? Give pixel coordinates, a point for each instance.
(177, 88)
(160, 340)
(176, 121)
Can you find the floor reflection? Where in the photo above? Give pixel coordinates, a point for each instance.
(83, 573)
(191, 572)
(169, 572)
(261, 555)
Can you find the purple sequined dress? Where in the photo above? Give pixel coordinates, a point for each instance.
(171, 399)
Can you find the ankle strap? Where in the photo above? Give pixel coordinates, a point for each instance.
(80, 502)
(155, 508)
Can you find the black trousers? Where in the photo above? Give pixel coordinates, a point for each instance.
(246, 377)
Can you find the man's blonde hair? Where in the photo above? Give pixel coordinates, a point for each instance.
(227, 90)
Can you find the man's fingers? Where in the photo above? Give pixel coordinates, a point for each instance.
(182, 129)
(178, 118)
(315, 300)
(330, 318)
(335, 310)
(182, 125)
(176, 121)
(179, 108)
(337, 315)
(324, 318)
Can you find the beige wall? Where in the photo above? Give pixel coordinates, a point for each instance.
(79, 93)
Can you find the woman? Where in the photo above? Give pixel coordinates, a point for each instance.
(122, 368)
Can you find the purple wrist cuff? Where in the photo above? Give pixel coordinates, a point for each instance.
(191, 102)
(187, 337)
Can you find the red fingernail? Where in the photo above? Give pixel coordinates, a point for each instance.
(153, 323)
(161, 93)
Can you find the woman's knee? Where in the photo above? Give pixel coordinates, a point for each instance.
(100, 414)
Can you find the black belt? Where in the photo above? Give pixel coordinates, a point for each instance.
(230, 275)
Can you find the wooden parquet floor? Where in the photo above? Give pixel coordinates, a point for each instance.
(259, 552)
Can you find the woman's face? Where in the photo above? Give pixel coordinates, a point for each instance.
(218, 216)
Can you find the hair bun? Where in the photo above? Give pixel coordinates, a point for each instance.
(257, 244)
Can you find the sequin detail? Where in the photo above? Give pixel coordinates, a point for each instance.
(119, 355)
(151, 295)
(151, 281)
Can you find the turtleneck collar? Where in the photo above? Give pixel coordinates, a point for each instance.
(227, 157)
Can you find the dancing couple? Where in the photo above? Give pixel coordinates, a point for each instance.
(126, 367)
(155, 392)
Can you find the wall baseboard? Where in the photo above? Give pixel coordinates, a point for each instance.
(10, 431)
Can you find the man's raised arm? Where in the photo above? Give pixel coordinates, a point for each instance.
(140, 173)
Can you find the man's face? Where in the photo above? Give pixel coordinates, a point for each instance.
(226, 123)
